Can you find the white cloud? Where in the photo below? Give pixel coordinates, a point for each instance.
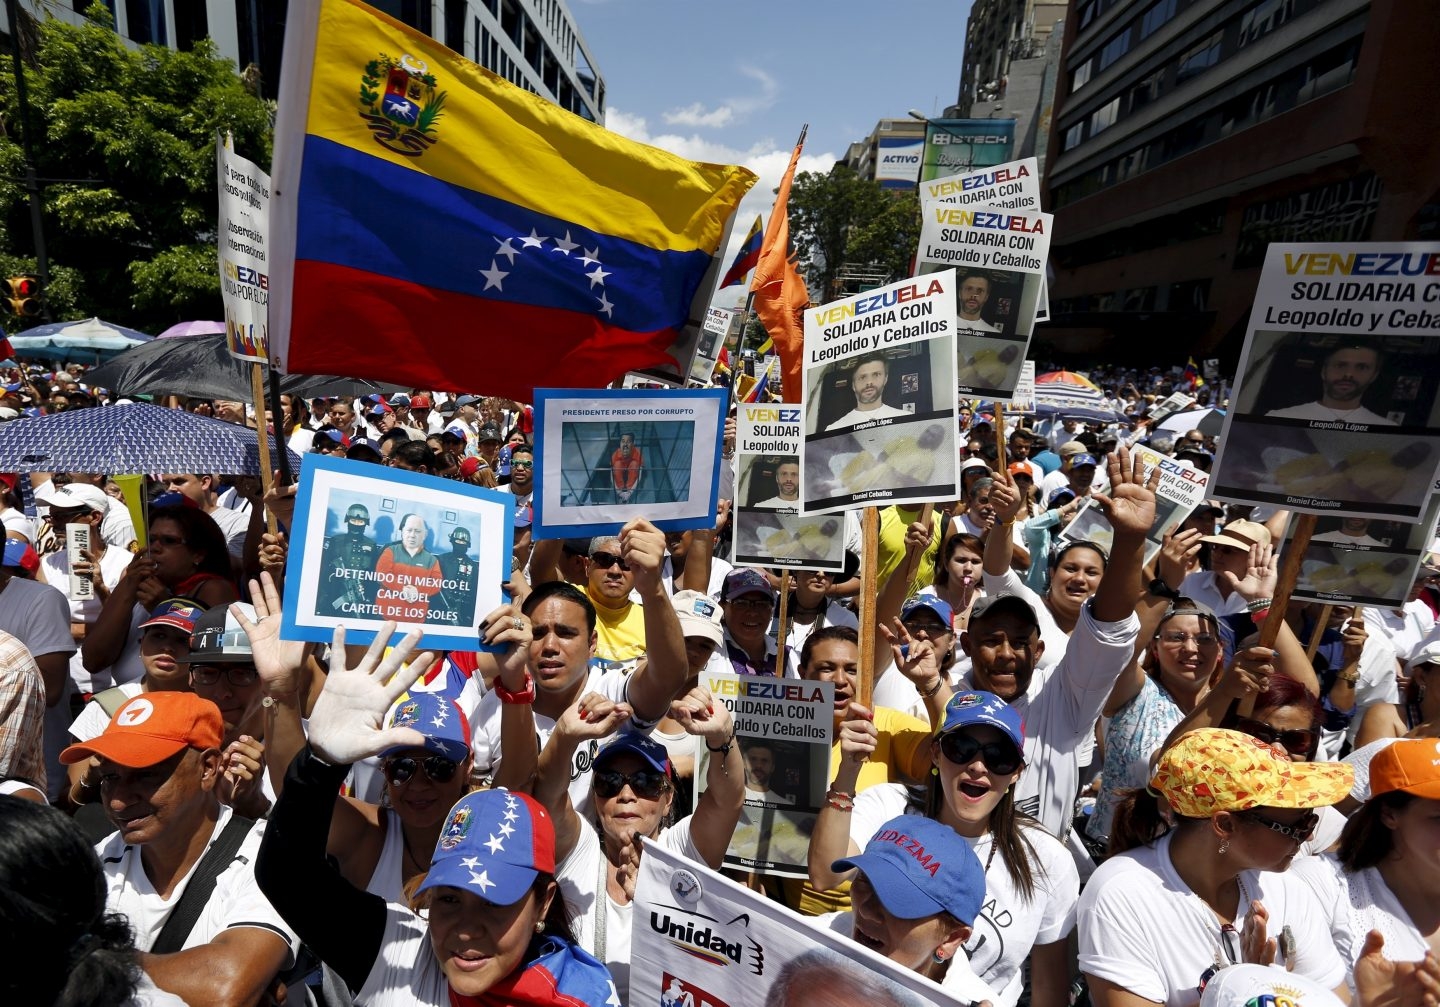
(766, 158)
(731, 110)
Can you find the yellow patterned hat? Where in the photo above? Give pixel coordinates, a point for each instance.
(1211, 770)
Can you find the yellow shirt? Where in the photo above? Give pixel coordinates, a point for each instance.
(891, 551)
(620, 633)
(902, 755)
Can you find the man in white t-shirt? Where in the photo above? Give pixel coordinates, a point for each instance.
(787, 486)
(759, 772)
(1352, 531)
(867, 383)
(159, 765)
(974, 293)
(1346, 373)
(203, 491)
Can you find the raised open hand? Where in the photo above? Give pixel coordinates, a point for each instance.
(1130, 505)
(345, 725)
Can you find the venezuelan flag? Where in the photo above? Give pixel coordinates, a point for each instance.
(746, 257)
(433, 225)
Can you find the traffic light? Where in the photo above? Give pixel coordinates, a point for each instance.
(24, 295)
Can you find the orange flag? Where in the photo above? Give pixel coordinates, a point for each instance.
(780, 293)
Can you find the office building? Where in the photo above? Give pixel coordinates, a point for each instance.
(534, 44)
(890, 155)
(1190, 134)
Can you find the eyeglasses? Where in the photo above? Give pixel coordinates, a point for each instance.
(1297, 833)
(999, 757)
(238, 675)
(402, 768)
(926, 626)
(605, 560)
(169, 541)
(1179, 638)
(522, 465)
(646, 783)
(753, 603)
(1295, 741)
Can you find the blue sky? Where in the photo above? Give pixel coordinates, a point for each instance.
(733, 82)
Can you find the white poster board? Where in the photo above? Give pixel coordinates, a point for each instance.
(242, 232)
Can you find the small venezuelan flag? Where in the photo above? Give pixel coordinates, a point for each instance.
(435, 226)
(746, 257)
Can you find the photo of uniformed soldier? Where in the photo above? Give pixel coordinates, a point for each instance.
(343, 557)
(458, 571)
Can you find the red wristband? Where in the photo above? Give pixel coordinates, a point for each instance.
(525, 696)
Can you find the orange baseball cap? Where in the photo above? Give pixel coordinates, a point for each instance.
(151, 728)
(1411, 765)
(1211, 770)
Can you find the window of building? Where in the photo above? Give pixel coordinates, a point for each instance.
(512, 21)
(1115, 48)
(1146, 90)
(1104, 116)
(147, 21)
(1073, 136)
(454, 24)
(1264, 17)
(1081, 75)
(1157, 15)
(1199, 57)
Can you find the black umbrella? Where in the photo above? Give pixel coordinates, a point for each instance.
(200, 367)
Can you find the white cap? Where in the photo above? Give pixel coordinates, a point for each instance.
(72, 496)
(699, 615)
(1240, 985)
(1429, 653)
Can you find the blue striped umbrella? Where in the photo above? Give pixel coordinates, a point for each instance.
(134, 437)
(88, 341)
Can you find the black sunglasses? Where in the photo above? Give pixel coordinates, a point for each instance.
(209, 674)
(1000, 757)
(646, 783)
(400, 769)
(1294, 741)
(1297, 833)
(605, 560)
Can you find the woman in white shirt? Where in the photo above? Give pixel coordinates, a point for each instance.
(1177, 904)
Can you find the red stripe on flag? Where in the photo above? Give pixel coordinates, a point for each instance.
(402, 333)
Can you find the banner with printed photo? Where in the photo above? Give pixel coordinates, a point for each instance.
(1364, 561)
(1336, 406)
(1014, 185)
(702, 940)
(1181, 490)
(241, 235)
(609, 455)
(1173, 403)
(769, 529)
(959, 146)
(712, 338)
(999, 259)
(880, 397)
(783, 727)
(371, 544)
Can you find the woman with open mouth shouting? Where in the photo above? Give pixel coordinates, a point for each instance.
(1031, 882)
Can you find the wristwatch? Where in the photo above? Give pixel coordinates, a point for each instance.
(524, 696)
(1160, 589)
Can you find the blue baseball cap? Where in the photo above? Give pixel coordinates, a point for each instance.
(1079, 460)
(436, 716)
(966, 709)
(654, 753)
(1060, 497)
(494, 844)
(934, 603)
(920, 867)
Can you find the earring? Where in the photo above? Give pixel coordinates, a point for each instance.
(938, 958)
(934, 770)
(539, 926)
(1224, 847)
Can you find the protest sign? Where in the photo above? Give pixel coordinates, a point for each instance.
(702, 940)
(1336, 407)
(783, 728)
(1181, 490)
(1361, 561)
(372, 544)
(1170, 405)
(611, 455)
(712, 337)
(880, 397)
(1014, 185)
(244, 227)
(769, 530)
(1023, 398)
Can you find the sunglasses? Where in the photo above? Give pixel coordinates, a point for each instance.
(1179, 637)
(170, 541)
(1297, 833)
(402, 768)
(522, 465)
(930, 627)
(1295, 741)
(605, 560)
(209, 674)
(646, 783)
(1000, 757)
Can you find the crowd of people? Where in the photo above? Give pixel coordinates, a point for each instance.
(1124, 796)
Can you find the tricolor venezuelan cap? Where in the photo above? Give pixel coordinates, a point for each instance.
(152, 727)
(920, 867)
(656, 755)
(494, 844)
(967, 709)
(1248, 985)
(181, 613)
(436, 716)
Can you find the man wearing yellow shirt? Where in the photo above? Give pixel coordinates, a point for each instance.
(902, 750)
(619, 622)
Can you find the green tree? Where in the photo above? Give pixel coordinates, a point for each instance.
(839, 217)
(127, 139)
